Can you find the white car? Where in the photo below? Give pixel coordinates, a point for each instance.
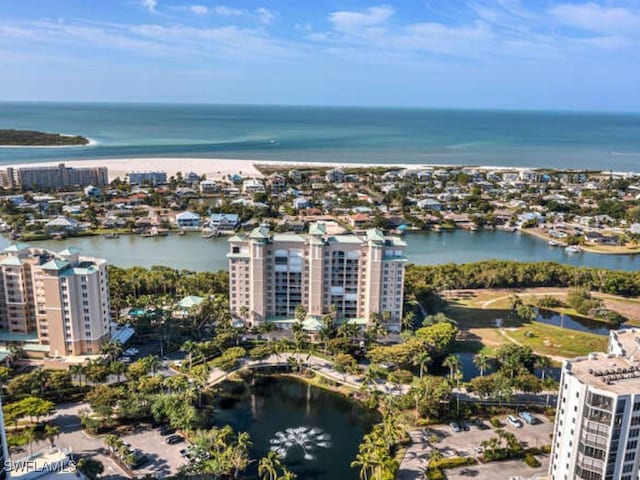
(515, 422)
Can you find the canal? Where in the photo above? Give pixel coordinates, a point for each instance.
(192, 252)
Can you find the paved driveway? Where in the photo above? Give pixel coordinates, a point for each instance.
(164, 460)
(467, 444)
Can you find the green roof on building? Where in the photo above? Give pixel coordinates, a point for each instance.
(70, 251)
(7, 336)
(16, 247)
(259, 233)
(375, 235)
(318, 228)
(55, 264)
(190, 301)
(11, 261)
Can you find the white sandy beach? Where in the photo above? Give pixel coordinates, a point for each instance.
(215, 168)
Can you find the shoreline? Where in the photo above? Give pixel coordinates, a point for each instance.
(587, 248)
(92, 143)
(216, 168)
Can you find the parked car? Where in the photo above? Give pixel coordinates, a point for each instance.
(167, 430)
(480, 424)
(185, 453)
(464, 425)
(527, 417)
(455, 427)
(514, 421)
(173, 439)
(140, 459)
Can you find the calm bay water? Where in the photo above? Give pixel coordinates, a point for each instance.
(192, 252)
(329, 134)
(330, 426)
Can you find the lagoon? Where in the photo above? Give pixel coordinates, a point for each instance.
(318, 431)
(192, 252)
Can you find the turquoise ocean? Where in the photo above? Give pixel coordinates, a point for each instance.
(602, 141)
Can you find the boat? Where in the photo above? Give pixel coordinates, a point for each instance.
(553, 243)
(152, 232)
(181, 232)
(111, 235)
(573, 249)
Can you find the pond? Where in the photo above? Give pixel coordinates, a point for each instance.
(570, 322)
(317, 431)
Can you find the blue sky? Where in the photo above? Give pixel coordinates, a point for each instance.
(540, 54)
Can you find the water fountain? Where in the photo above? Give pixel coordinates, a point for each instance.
(305, 438)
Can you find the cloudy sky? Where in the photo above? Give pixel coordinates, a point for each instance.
(538, 54)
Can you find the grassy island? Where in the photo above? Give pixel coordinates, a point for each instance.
(30, 138)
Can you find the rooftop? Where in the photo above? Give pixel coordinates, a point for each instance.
(612, 372)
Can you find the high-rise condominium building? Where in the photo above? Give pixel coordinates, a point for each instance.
(62, 297)
(56, 177)
(597, 429)
(270, 275)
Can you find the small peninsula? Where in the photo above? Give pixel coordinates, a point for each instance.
(30, 138)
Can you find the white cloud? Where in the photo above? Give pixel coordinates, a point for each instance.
(150, 5)
(354, 22)
(265, 15)
(199, 9)
(224, 11)
(595, 18)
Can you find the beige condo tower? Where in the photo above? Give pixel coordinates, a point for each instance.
(270, 275)
(62, 297)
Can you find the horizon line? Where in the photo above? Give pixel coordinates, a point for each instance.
(311, 105)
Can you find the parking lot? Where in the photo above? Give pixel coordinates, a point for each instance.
(164, 460)
(466, 444)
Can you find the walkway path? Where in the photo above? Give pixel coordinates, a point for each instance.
(555, 358)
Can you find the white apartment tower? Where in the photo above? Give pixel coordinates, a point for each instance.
(270, 275)
(597, 429)
(61, 297)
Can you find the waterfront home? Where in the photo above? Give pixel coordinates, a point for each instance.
(634, 229)
(188, 220)
(599, 238)
(224, 221)
(61, 224)
(231, 191)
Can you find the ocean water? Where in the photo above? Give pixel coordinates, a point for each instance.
(604, 141)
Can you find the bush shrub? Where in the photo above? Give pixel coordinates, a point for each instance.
(495, 423)
(531, 461)
(454, 462)
(434, 474)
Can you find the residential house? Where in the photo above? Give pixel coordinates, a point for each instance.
(188, 220)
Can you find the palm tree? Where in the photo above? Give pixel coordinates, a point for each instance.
(269, 466)
(408, 320)
(113, 349)
(452, 362)
(30, 436)
(117, 368)
(191, 348)
(77, 370)
(51, 432)
(543, 363)
(482, 361)
(152, 362)
(287, 475)
(422, 360)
